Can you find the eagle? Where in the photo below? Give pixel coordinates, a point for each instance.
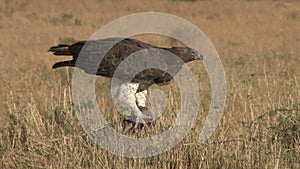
(103, 57)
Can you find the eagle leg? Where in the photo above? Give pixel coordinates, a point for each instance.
(129, 124)
(141, 98)
(127, 96)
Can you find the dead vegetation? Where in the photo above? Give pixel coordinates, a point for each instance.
(258, 42)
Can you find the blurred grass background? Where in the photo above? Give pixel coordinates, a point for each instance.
(258, 42)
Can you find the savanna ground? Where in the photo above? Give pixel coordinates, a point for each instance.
(259, 46)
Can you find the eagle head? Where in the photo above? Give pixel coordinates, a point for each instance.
(187, 54)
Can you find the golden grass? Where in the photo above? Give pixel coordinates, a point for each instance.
(258, 42)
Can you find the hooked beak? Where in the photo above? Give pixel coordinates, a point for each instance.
(198, 56)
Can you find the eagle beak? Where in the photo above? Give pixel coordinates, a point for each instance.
(199, 56)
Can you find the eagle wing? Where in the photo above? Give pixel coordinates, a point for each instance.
(95, 60)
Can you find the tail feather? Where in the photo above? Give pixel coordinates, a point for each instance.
(60, 50)
(69, 63)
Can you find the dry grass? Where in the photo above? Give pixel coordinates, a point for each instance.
(259, 46)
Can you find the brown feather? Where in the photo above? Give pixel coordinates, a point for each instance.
(119, 49)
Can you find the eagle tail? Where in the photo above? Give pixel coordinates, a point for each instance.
(69, 63)
(60, 50)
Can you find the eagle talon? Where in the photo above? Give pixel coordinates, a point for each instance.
(144, 118)
(141, 119)
(137, 121)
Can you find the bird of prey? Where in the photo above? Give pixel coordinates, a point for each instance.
(104, 56)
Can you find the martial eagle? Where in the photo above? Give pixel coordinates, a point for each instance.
(133, 94)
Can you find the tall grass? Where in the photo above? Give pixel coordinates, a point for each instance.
(260, 127)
